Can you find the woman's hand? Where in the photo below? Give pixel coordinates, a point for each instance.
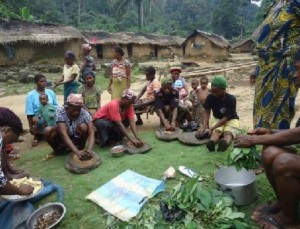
(25, 190)
(84, 155)
(109, 89)
(138, 143)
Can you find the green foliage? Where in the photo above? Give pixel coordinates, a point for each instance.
(247, 158)
(203, 207)
(230, 18)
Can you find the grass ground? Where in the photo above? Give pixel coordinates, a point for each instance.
(82, 214)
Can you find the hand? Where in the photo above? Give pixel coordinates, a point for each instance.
(169, 127)
(109, 89)
(84, 155)
(25, 190)
(243, 141)
(259, 131)
(252, 79)
(138, 143)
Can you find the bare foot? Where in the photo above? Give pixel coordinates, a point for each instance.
(264, 210)
(277, 221)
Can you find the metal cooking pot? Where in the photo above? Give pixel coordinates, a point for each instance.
(241, 185)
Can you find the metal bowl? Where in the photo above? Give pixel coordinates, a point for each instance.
(117, 151)
(59, 207)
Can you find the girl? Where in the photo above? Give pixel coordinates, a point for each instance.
(69, 77)
(88, 63)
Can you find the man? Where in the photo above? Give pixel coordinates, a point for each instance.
(113, 118)
(225, 121)
(166, 105)
(152, 86)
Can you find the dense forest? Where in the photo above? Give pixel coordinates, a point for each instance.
(234, 19)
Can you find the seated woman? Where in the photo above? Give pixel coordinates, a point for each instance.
(150, 88)
(113, 118)
(36, 126)
(73, 129)
(225, 121)
(10, 129)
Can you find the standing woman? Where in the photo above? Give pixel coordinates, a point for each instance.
(120, 74)
(275, 88)
(70, 76)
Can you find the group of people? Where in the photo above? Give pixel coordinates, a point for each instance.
(214, 110)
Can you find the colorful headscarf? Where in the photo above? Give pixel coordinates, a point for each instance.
(166, 80)
(87, 47)
(128, 93)
(175, 69)
(219, 81)
(75, 100)
(69, 55)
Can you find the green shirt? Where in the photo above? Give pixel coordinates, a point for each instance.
(90, 96)
(47, 112)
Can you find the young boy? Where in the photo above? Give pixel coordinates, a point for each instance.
(10, 129)
(166, 104)
(44, 118)
(225, 121)
(90, 92)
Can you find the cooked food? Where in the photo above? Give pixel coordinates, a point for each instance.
(47, 219)
(37, 185)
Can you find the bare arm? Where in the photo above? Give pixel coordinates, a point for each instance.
(206, 119)
(174, 116)
(91, 136)
(133, 128)
(123, 130)
(9, 189)
(110, 81)
(62, 130)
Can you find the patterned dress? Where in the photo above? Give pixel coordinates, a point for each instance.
(119, 77)
(278, 42)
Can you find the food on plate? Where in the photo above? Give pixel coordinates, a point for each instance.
(37, 185)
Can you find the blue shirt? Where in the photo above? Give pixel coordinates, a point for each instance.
(33, 101)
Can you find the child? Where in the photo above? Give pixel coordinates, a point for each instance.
(69, 77)
(91, 94)
(181, 90)
(224, 121)
(44, 118)
(203, 90)
(88, 62)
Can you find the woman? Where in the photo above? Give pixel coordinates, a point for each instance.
(275, 88)
(70, 75)
(73, 129)
(120, 74)
(33, 104)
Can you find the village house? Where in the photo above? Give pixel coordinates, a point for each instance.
(204, 44)
(245, 46)
(22, 41)
(135, 45)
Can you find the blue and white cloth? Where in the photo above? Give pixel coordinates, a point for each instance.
(125, 195)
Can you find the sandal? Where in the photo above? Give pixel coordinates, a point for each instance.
(34, 142)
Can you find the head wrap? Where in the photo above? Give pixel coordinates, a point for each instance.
(87, 47)
(128, 93)
(178, 84)
(219, 81)
(175, 69)
(88, 72)
(75, 100)
(69, 55)
(166, 80)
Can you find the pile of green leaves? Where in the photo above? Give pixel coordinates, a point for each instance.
(247, 158)
(204, 208)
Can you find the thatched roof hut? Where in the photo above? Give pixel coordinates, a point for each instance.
(133, 44)
(33, 41)
(201, 43)
(245, 46)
